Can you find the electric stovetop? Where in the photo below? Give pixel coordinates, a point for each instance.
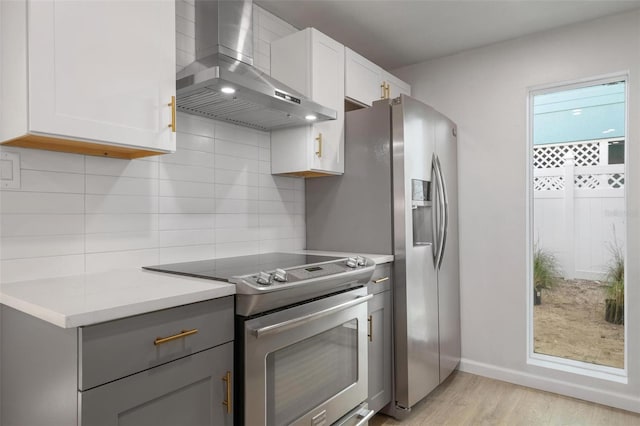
(225, 268)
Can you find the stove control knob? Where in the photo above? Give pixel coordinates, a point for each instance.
(361, 261)
(280, 275)
(263, 278)
(352, 262)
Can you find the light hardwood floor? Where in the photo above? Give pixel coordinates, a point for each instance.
(467, 399)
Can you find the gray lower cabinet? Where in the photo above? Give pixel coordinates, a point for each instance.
(380, 346)
(189, 391)
(169, 367)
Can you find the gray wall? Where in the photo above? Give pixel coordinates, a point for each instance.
(485, 92)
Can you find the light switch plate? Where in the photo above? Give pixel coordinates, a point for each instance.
(9, 170)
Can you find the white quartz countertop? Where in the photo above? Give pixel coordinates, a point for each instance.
(378, 258)
(80, 300)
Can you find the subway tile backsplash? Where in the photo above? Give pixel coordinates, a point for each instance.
(214, 197)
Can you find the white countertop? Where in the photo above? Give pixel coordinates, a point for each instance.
(75, 301)
(378, 258)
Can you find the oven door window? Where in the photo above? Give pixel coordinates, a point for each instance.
(309, 372)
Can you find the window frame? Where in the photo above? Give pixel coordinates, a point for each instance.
(614, 374)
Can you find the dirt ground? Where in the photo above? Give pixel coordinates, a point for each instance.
(570, 323)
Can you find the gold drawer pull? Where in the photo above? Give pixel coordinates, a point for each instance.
(183, 333)
(172, 104)
(227, 402)
(380, 280)
(370, 335)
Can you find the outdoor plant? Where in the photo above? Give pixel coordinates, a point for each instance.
(545, 271)
(614, 278)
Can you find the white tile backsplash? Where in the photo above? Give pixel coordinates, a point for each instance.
(237, 177)
(180, 172)
(96, 223)
(45, 181)
(225, 162)
(187, 253)
(117, 204)
(41, 246)
(40, 203)
(42, 267)
(15, 225)
(124, 168)
(107, 261)
(111, 242)
(114, 185)
(239, 150)
(186, 205)
(214, 197)
(172, 221)
(170, 188)
(179, 238)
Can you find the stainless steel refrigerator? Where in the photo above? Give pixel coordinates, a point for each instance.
(399, 195)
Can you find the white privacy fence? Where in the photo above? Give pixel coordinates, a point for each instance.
(579, 208)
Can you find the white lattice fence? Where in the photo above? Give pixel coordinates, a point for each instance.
(579, 213)
(586, 177)
(548, 183)
(553, 155)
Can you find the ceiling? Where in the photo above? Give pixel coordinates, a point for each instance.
(394, 33)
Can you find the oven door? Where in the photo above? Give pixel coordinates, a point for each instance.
(307, 364)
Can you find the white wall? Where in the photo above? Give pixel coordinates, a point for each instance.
(485, 92)
(214, 197)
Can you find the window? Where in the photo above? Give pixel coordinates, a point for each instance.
(578, 225)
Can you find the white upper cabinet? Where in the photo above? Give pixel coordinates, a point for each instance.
(366, 82)
(312, 64)
(92, 77)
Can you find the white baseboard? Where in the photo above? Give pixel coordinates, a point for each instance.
(599, 396)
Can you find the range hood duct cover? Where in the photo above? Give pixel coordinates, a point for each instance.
(224, 58)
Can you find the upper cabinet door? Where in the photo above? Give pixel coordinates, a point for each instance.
(102, 71)
(363, 80)
(313, 64)
(366, 82)
(328, 90)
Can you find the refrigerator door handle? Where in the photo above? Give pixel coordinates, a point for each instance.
(445, 208)
(435, 215)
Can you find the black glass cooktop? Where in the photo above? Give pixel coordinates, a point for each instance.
(225, 268)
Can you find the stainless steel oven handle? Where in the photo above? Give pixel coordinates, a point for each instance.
(294, 322)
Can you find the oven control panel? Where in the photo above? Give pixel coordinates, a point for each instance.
(302, 274)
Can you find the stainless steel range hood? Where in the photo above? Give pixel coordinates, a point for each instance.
(224, 62)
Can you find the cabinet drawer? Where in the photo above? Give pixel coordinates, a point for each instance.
(115, 349)
(381, 279)
(191, 391)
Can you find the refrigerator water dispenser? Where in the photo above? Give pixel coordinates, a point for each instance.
(421, 212)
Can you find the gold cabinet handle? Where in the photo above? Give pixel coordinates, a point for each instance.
(387, 91)
(384, 90)
(370, 335)
(319, 151)
(183, 333)
(172, 104)
(227, 402)
(380, 280)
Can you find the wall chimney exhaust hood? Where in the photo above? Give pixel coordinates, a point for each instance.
(223, 84)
